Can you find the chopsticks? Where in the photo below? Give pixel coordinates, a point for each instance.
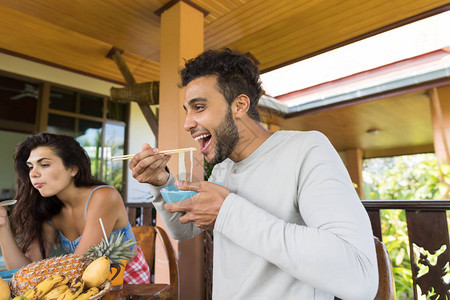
(173, 151)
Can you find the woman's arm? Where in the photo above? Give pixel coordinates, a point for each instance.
(13, 256)
(107, 204)
(49, 236)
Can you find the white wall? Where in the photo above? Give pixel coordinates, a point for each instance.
(39, 71)
(139, 134)
(9, 141)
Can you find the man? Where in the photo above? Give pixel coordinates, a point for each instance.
(287, 221)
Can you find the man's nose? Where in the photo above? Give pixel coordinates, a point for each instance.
(189, 122)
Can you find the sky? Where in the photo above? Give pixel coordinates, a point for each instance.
(401, 43)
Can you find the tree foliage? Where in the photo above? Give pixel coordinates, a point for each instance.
(412, 177)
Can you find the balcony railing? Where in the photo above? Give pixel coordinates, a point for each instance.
(427, 231)
(141, 213)
(428, 241)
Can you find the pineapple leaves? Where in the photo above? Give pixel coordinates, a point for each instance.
(116, 250)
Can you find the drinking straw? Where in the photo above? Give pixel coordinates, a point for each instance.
(103, 229)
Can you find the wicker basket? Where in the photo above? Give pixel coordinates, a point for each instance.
(104, 288)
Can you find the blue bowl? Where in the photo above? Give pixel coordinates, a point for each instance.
(7, 275)
(171, 194)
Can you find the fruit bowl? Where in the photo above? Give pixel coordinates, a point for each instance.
(104, 288)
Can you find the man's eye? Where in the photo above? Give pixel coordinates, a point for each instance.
(199, 107)
(45, 165)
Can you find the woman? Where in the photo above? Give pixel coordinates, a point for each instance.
(57, 196)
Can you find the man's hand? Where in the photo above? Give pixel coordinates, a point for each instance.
(203, 207)
(148, 166)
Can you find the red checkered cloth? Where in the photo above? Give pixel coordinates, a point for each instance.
(137, 271)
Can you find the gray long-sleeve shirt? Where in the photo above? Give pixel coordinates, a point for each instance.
(293, 226)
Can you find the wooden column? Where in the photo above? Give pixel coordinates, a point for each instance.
(274, 127)
(181, 38)
(42, 108)
(354, 159)
(440, 115)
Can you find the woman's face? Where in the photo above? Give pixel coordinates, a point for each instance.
(47, 172)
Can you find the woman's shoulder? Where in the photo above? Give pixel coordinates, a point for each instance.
(104, 189)
(105, 193)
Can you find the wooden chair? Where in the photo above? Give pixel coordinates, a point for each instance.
(386, 283)
(146, 236)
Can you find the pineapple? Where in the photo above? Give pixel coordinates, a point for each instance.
(70, 265)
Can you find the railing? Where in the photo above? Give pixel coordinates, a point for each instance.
(427, 231)
(141, 213)
(428, 237)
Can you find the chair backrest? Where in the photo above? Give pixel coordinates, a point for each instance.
(386, 283)
(146, 236)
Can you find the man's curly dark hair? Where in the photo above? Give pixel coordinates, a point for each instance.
(236, 74)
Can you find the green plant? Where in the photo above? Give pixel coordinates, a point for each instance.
(403, 177)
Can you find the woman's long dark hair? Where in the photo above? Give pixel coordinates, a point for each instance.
(32, 209)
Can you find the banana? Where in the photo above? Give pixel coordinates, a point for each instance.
(27, 293)
(56, 292)
(89, 293)
(19, 298)
(76, 288)
(5, 293)
(45, 286)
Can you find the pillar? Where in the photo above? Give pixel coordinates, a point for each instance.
(181, 38)
(440, 116)
(274, 127)
(354, 160)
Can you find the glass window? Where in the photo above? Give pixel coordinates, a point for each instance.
(18, 102)
(114, 145)
(88, 133)
(62, 99)
(70, 126)
(91, 141)
(91, 105)
(61, 125)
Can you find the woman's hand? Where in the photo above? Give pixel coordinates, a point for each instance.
(4, 221)
(150, 167)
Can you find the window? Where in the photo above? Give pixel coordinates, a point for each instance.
(84, 117)
(18, 102)
(96, 123)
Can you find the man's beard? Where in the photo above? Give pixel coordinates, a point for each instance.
(227, 137)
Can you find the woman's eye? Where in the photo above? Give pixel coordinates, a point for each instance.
(45, 165)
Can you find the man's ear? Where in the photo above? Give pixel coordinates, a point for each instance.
(241, 105)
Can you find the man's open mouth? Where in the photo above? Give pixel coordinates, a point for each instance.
(204, 140)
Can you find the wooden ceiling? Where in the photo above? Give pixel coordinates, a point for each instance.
(77, 35)
(389, 126)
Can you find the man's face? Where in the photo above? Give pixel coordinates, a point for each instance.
(209, 119)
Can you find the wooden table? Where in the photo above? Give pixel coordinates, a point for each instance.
(142, 291)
